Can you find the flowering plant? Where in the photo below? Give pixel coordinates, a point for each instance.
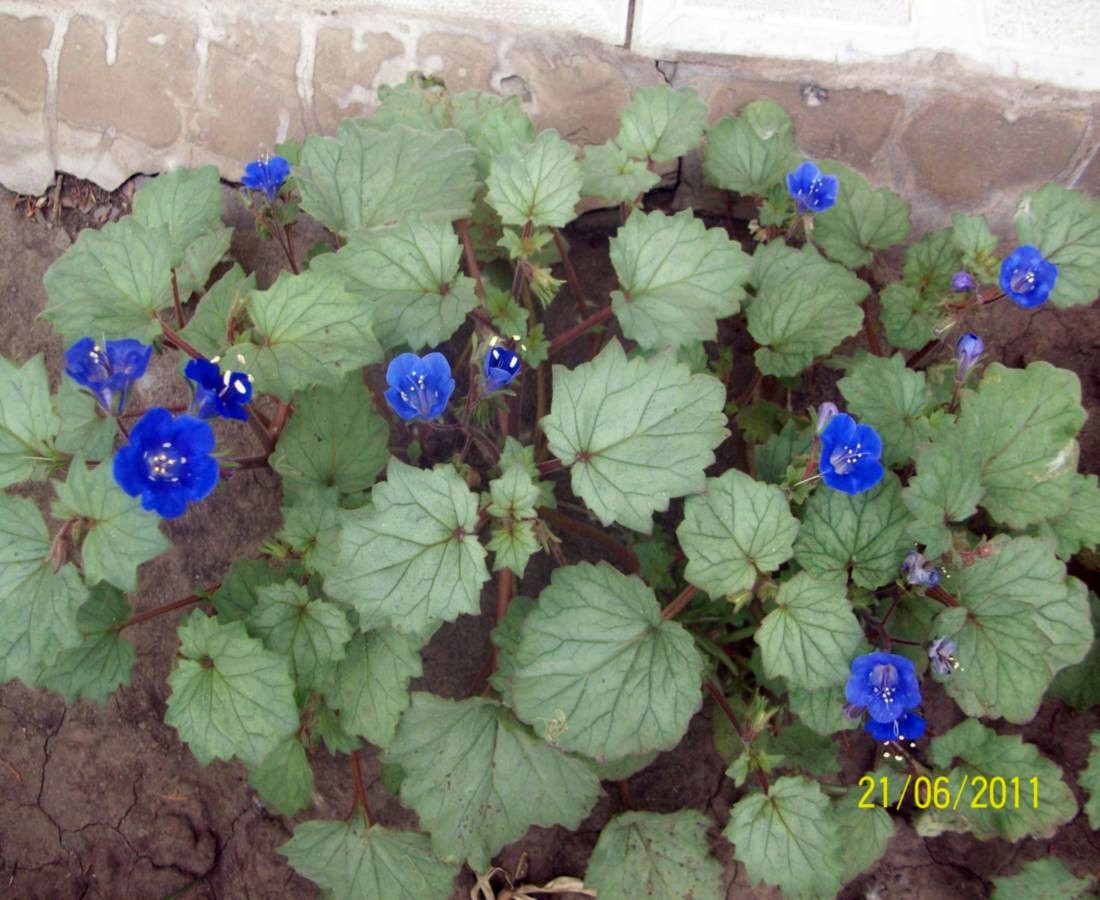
(657, 534)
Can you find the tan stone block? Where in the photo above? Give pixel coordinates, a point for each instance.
(22, 68)
(1089, 180)
(140, 93)
(577, 87)
(463, 62)
(848, 125)
(344, 73)
(251, 94)
(959, 149)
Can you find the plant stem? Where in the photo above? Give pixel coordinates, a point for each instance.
(472, 268)
(275, 428)
(679, 602)
(811, 463)
(873, 343)
(179, 343)
(567, 337)
(720, 698)
(625, 794)
(550, 465)
(360, 798)
(746, 395)
(261, 433)
(917, 355)
(290, 250)
(147, 614)
(253, 462)
(504, 597)
(176, 300)
(943, 596)
(557, 519)
(122, 429)
(570, 274)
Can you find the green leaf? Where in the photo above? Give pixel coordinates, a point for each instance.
(371, 684)
(199, 260)
(409, 276)
(230, 697)
(84, 429)
(947, 488)
(1024, 422)
(908, 316)
(800, 320)
(111, 283)
(599, 672)
(312, 633)
(1020, 622)
(1065, 226)
(207, 328)
(120, 534)
(1089, 779)
(284, 780)
(363, 177)
(931, 261)
(611, 421)
(979, 751)
(978, 247)
(1078, 527)
(188, 202)
(645, 854)
(478, 779)
(751, 153)
(863, 833)
(1079, 685)
(538, 182)
(28, 423)
(821, 711)
(737, 530)
(788, 838)
(506, 637)
(661, 124)
(239, 591)
(862, 534)
(1042, 879)
(513, 543)
(311, 526)
(491, 124)
(884, 393)
(336, 438)
(608, 172)
(38, 607)
(811, 636)
(677, 278)
(411, 559)
(102, 661)
(776, 265)
(309, 330)
(656, 558)
(777, 453)
(863, 220)
(350, 861)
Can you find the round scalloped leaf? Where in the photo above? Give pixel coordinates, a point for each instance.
(411, 558)
(863, 833)
(884, 393)
(538, 182)
(738, 529)
(599, 672)
(28, 423)
(478, 779)
(678, 278)
(662, 124)
(1089, 779)
(610, 174)
(646, 854)
(863, 219)
(284, 780)
(634, 432)
(229, 697)
(751, 153)
(1065, 226)
(947, 488)
(350, 861)
(1042, 879)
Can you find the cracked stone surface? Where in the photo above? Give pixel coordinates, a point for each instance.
(106, 802)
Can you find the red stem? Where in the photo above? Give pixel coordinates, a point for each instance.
(920, 354)
(680, 601)
(176, 300)
(567, 337)
(719, 698)
(472, 268)
(943, 596)
(548, 466)
(275, 428)
(557, 519)
(360, 791)
(146, 615)
(290, 250)
(179, 343)
(570, 274)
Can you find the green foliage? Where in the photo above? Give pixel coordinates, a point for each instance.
(752, 152)
(1042, 879)
(207, 330)
(617, 441)
(1065, 226)
(1090, 781)
(28, 423)
(893, 399)
(908, 316)
(660, 124)
(946, 488)
(609, 172)
(863, 220)
(537, 183)
(284, 780)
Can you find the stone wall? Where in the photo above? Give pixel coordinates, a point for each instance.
(117, 88)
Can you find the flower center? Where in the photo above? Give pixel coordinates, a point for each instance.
(163, 464)
(1022, 281)
(418, 395)
(230, 383)
(884, 679)
(843, 459)
(99, 359)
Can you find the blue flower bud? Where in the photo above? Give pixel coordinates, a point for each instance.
(1027, 278)
(107, 371)
(967, 351)
(219, 393)
(918, 570)
(501, 366)
(825, 414)
(963, 283)
(812, 191)
(851, 455)
(419, 388)
(266, 175)
(941, 652)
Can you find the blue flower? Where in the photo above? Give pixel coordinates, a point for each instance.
(963, 283)
(812, 191)
(918, 570)
(1027, 278)
(501, 366)
(108, 370)
(167, 462)
(967, 351)
(219, 393)
(419, 388)
(266, 175)
(850, 455)
(907, 727)
(884, 684)
(942, 653)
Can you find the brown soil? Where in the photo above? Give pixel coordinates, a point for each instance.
(106, 802)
